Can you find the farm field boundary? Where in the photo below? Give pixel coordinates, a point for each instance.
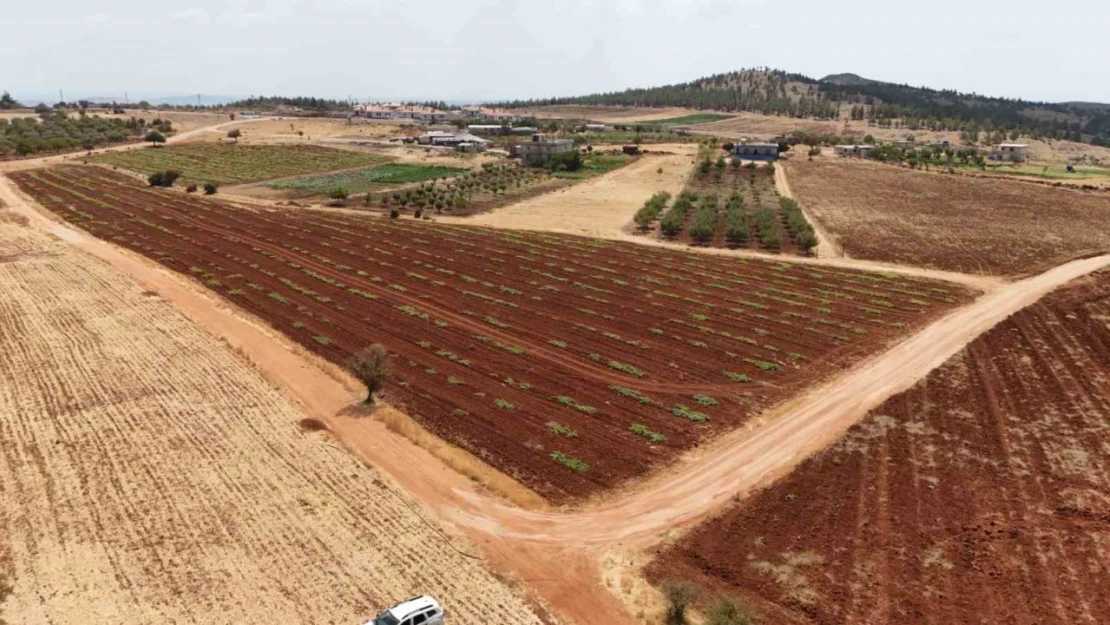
(129, 488)
(974, 224)
(516, 545)
(482, 347)
(983, 481)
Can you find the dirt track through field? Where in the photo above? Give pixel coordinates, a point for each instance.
(546, 548)
(147, 473)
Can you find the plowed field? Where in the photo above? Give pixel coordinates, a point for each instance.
(951, 222)
(570, 363)
(149, 475)
(982, 495)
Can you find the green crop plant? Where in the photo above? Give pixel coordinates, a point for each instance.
(558, 343)
(323, 340)
(561, 430)
(681, 410)
(633, 393)
(504, 405)
(762, 365)
(736, 377)
(626, 368)
(642, 430)
(574, 464)
(452, 380)
(706, 400)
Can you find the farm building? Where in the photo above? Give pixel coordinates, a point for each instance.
(485, 129)
(401, 111)
(1016, 152)
(596, 127)
(756, 151)
(540, 149)
(452, 139)
(854, 150)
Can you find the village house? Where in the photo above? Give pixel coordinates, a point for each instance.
(854, 150)
(540, 149)
(1013, 152)
(756, 151)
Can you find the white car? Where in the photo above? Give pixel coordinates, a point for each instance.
(422, 610)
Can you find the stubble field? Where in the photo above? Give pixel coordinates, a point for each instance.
(232, 163)
(981, 495)
(148, 474)
(571, 364)
(958, 223)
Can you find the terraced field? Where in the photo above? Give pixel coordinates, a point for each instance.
(572, 364)
(981, 495)
(231, 163)
(148, 474)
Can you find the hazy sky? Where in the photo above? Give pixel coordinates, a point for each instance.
(494, 49)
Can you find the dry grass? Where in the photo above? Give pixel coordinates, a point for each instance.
(959, 223)
(459, 459)
(149, 474)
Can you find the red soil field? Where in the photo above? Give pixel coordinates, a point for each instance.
(569, 363)
(982, 495)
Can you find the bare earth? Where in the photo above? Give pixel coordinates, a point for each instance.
(957, 223)
(607, 114)
(148, 473)
(599, 207)
(977, 496)
(558, 552)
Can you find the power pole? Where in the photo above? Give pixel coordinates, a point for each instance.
(61, 98)
(126, 100)
(198, 101)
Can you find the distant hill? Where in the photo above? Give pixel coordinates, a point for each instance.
(883, 104)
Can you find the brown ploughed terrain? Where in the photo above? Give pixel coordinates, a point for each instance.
(569, 363)
(959, 223)
(981, 495)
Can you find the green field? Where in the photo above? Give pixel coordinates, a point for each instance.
(369, 178)
(1054, 171)
(688, 120)
(595, 165)
(230, 163)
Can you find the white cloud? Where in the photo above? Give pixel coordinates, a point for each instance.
(199, 14)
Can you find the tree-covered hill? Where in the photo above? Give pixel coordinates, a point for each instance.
(776, 92)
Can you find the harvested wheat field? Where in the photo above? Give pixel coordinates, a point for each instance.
(147, 474)
(981, 495)
(951, 222)
(571, 364)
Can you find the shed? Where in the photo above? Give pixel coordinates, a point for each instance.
(756, 151)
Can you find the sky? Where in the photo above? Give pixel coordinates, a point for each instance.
(487, 50)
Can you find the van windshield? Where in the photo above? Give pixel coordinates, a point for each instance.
(385, 618)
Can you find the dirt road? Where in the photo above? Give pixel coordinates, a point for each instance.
(826, 246)
(600, 207)
(557, 552)
(43, 161)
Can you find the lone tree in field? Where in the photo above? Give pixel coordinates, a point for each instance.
(371, 366)
(679, 596)
(235, 134)
(155, 137)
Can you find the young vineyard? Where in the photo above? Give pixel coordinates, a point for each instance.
(733, 206)
(572, 364)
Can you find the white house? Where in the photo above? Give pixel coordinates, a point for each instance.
(1015, 152)
(854, 151)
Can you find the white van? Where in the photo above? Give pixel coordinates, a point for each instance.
(422, 610)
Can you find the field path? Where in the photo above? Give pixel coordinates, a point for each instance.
(601, 207)
(557, 551)
(826, 246)
(54, 159)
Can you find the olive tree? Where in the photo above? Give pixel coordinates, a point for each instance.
(371, 366)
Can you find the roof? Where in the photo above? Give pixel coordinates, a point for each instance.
(757, 145)
(854, 146)
(1013, 145)
(415, 604)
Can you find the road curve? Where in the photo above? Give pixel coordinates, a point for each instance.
(557, 552)
(54, 159)
(743, 461)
